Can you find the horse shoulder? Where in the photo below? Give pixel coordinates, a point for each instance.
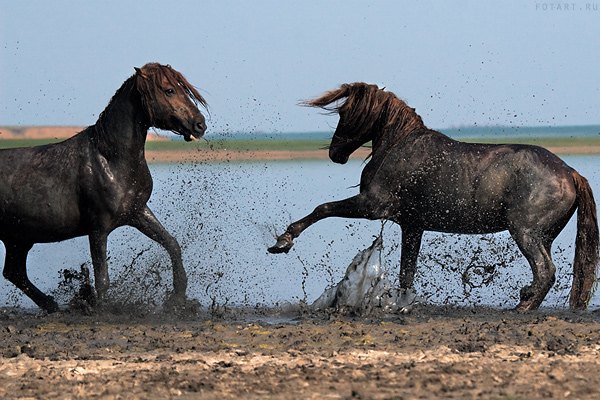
(112, 189)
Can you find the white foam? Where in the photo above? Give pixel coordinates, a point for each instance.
(366, 287)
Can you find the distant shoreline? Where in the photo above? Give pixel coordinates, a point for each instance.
(278, 147)
(457, 132)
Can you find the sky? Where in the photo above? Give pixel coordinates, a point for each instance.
(459, 63)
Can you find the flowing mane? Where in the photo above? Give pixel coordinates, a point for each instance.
(366, 105)
(152, 75)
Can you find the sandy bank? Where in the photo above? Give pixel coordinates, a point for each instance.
(280, 155)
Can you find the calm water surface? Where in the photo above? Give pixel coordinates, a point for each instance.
(225, 215)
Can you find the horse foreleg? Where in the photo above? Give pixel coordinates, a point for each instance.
(98, 251)
(411, 243)
(147, 223)
(358, 206)
(15, 271)
(538, 255)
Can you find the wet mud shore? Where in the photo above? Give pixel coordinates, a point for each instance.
(432, 353)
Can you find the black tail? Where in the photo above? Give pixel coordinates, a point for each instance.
(586, 260)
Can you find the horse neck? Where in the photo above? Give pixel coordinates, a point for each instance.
(122, 127)
(382, 139)
(385, 138)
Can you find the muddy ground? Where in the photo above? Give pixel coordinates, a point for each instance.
(433, 353)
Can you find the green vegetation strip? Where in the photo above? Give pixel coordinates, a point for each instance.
(298, 145)
(10, 143)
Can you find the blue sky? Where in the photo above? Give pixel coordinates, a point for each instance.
(459, 63)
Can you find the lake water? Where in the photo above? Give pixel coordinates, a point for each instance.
(225, 215)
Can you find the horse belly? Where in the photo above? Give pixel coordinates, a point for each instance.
(452, 213)
(46, 216)
(467, 222)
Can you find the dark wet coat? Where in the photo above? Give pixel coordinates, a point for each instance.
(96, 181)
(426, 181)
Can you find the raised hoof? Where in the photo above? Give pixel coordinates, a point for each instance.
(283, 245)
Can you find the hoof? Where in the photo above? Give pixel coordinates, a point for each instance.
(526, 306)
(50, 305)
(181, 307)
(529, 305)
(526, 293)
(84, 304)
(283, 245)
(174, 299)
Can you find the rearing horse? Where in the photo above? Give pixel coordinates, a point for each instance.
(97, 180)
(425, 181)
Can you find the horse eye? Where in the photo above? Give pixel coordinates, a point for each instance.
(170, 92)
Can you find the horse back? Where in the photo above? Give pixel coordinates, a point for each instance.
(446, 185)
(39, 191)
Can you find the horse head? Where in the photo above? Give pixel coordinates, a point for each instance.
(365, 114)
(171, 101)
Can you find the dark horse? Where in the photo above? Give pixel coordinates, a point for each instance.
(97, 180)
(425, 181)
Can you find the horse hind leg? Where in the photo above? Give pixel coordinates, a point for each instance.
(537, 252)
(15, 271)
(411, 243)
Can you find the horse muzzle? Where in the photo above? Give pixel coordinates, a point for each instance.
(197, 130)
(337, 156)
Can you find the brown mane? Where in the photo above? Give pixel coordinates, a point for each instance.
(366, 105)
(153, 75)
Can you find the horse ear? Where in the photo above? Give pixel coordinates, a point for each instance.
(139, 72)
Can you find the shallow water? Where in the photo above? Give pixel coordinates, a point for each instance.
(225, 215)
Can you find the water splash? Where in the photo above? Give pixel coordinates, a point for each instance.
(365, 288)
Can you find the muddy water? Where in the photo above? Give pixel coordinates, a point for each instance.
(226, 214)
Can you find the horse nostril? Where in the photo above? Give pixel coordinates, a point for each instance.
(200, 126)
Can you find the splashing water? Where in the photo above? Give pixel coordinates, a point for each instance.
(365, 288)
(223, 216)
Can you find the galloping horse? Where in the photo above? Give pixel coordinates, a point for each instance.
(97, 180)
(424, 181)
